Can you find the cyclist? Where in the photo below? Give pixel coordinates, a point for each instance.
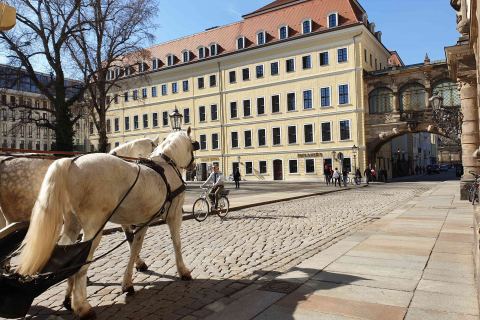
(215, 180)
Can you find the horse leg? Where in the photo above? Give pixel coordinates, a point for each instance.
(139, 263)
(80, 305)
(174, 221)
(135, 247)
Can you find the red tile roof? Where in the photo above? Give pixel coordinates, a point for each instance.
(270, 21)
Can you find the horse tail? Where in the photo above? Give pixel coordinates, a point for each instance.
(47, 219)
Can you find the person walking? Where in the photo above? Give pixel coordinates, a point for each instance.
(368, 175)
(358, 177)
(345, 177)
(336, 177)
(237, 177)
(328, 174)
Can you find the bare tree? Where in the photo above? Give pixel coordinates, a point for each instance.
(40, 37)
(110, 47)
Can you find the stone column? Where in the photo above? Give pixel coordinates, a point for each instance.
(396, 101)
(470, 133)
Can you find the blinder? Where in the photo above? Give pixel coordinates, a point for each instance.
(196, 145)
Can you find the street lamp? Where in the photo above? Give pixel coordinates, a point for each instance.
(354, 153)
(176, 120)
(436, 101)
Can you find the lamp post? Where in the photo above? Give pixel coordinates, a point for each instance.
(8, 17)
(436, 101)
(354, 153)
(176, 120)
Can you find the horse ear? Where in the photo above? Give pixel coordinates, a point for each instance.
(189, 130)
(156, 140)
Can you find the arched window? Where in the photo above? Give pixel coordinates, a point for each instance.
(449, 92)
(213, 49)
(170, 60)
(412, 97)
(307, 26)
(380, 101)
(241, 43)
(283, 32)
(186, 56)
(333, 20)
(261, 38)
(202, 53)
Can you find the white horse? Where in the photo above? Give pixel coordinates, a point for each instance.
(91, 187)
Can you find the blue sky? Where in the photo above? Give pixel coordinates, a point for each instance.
(412, 27)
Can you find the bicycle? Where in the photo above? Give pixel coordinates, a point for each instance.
(202, 206)
(473, 189)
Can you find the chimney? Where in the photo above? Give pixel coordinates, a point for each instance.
(378, 35)
(371, 26)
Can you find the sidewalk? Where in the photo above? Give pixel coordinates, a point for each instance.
(414, 263)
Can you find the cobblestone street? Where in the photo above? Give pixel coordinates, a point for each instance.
(226, 256)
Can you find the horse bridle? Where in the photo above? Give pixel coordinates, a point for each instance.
(195, 147)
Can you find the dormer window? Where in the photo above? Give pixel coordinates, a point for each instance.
(202, 53)
(170, 60)
(155, 64)
(283, 32)
(333, 20)
(127, 71)
(261, 38)
(307, 26)
(143, 66)
(186, 56)
(213, 49)
(241, 43)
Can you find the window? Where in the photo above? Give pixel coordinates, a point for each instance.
(274, 68)
(308, 133)
(174, 87)
(290, 65)
(248, 167)
(262, 139)
(261, 38)
(293, 166)
(164, 89)
(247, 108)
(324, 58)
(345, 130)
(115, 97)
(232, 75)
(154, 92)
(333, 20)
(201, 83)
(186, 115)
(116, 123)
(276, 136)
(213, 80)
(240, 43)
(343, 94)
(275, 103)
(214, 141)
(186, 56)
(283, 32)
(144, 93)
(214, 112)
(201, 53)
(325, 97)
(260, 106)
(342, 55)
(135, 122)
(213, 49)
(202, 115)
(381, 101)
(259, 71)
(155, 119)
(365, 55)
(234, 139)
(326, 131)
(262, 166)
(165, 118)
(307, 62)
(307, 26)
(145, 120)
(307, 99)
(185, 85)
(291, 101)
(203, 142)
(292, 134)
(155, 64)
(135, 94)
(309, 165)
(127, 124)
(248, 138)
(246, 74)
(170, 60)
(233, 110)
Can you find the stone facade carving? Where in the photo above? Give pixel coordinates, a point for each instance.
(463, 21)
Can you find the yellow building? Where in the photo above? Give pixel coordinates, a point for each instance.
(278, 94)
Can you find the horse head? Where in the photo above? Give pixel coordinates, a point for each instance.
(179, 147)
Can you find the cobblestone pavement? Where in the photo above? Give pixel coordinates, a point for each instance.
(226, 256)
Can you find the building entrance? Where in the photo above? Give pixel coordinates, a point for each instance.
(277, 170)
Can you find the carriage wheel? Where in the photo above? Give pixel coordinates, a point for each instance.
(223, 207)
(200, 209)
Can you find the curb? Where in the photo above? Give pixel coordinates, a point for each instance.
(189, 216)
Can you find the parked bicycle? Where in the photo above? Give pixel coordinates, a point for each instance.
(473, 189)
(202, 207)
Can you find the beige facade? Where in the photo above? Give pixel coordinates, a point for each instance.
(274, 125)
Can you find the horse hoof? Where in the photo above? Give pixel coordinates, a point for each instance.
(90, 315)
(187, 277)
(130, 291)
(142, 268)
(67, 304)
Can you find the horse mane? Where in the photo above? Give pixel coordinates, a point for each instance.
(175, 146)
(127, 148)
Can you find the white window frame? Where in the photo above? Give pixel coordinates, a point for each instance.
(258, 142)
(243, 108)
(279, 103)
(328, 19)
(263, 68)
(278, 68)
(264, 33)
(253, 169)
(231, 140)
(314, 166)
(243, 43)
(266, 167)
(289, 172)
(206, 142)
(294, 64)
(340, 130)
(264, 105)
(330, 94)
(331, 131)
(188, 56)
(170, 60)
(280, 29)
(338, 94)
(296, 135)
(320, 59)
(295, 101)
(303, 99)
(251, 139)
(311, 25)
(199, 113)
(313, 132)
(200, 56)
(218, 113)
(273, 144)
(230, 109)
(213, 44)
(155, 63)
(218, 141)
(346, 48)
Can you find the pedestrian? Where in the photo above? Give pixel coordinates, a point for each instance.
(358, 177)
(368, 175)
(345, 177)
(327, 173)
(336, 178)
(236, 178)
